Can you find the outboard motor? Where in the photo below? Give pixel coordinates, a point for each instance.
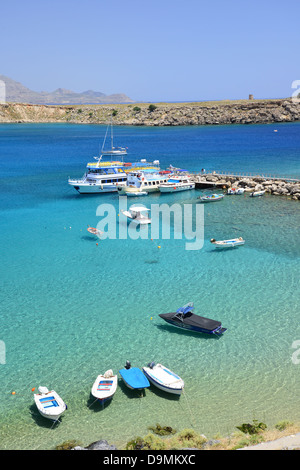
(127, 365)
(151, 365)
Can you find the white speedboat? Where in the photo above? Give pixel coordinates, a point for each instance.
(236, 191)
(228, 243)
(211, 197)
(49, 404)
(177, 183)
(105, 386)
(136, 214)
(257, 193)
(163, 378)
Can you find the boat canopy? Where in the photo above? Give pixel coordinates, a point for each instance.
(186, 308)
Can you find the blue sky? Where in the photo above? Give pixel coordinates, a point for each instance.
(153, 50)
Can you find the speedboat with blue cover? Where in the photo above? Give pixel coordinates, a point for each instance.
(185, 318)
(133, 377)
(49, 404)
(163, 378)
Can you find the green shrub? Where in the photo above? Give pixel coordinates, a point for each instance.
(282, 425)
(136, 109)
(152, 107)
(68, 445)
(255, 428)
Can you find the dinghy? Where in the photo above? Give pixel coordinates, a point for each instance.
(257, 193)
(236, 191)
(49, 404)
(228, 243)
(211, 197)
(94, 231)
(136, 214)
(105, 386)
(163, 378)
(134, 377)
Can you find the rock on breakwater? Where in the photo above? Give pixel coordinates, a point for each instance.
(160, 114)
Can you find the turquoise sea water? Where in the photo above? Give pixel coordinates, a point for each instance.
(71, 309)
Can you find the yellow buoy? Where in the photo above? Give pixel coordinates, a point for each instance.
(158, 246)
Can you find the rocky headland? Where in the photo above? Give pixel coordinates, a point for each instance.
(159, 114)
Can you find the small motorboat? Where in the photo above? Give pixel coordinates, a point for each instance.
(211, 197)
(185, 318)
(105, 386)
(163, 378)
(228, 243)
(133, 377)
(136, 193)
(136, 214)
(236, 191)
(177, 183)
(94, 231)
(49, 404)
(257, 193)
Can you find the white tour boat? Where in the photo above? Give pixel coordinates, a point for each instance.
(177, 183)
(136, 214)
(143, 176)
(49, 404)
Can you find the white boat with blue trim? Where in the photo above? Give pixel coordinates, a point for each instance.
(177, 183)
(49, 403)
(228, 243)
(105, 386)
(163, 378)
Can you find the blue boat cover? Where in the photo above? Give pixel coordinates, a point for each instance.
(186, 308)
(134, 377)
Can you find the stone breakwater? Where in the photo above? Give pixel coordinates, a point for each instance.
(160, 114)
(276, 187)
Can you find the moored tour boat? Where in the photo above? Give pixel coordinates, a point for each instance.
(105, 386)
(49, 404)
(228, 243)
(177, 183)
(163, 378)
(185, 318)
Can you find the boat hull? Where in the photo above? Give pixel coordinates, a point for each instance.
(90, 188)
(175, 189)
(158, 380)
(50, 405)
(104, 388)
(195, 323)
(134, 378)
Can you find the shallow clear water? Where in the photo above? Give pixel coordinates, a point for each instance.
(71, 309)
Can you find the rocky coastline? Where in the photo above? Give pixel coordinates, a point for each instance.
(159, 114)
(276, 187)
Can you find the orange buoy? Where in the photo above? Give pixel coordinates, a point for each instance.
(33, 389)
(13, 393)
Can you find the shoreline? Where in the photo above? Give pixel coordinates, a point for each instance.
(159, 114)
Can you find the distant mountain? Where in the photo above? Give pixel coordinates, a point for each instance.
(18, 93)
